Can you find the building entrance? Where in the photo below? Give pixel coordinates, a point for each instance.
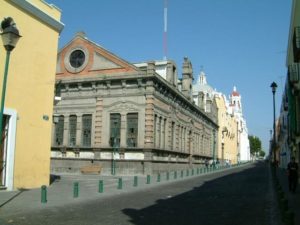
(3, 150)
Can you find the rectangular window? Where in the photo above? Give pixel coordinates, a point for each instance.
(154, 130)
(59, 131)
(132, 129)
(72, 130)
(86, 130)
(172, 135)
(115, 128)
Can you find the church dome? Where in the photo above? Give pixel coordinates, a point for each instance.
(201, 85)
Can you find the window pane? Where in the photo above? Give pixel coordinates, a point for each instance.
(59, 131)
(72, 130)
(115, 125)
(132, 129)
(86, 130)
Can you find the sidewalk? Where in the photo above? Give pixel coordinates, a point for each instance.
(293, 198)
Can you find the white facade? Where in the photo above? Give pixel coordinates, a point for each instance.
(235, 108)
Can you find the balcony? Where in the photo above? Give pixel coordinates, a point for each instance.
(296, 44)
(294, 73)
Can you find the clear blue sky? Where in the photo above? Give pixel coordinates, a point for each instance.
(238, 42)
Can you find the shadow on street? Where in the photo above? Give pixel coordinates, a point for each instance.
(239, 198)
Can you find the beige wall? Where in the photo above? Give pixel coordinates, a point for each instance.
(226, 121)
(30, 91)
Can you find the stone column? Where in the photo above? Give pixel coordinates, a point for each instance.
(98, 123)
(149, 119)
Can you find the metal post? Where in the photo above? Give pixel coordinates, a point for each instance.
(158, 177)
(44, 194)
(4, 93)
(120, 183)
(76, 190)
(274, 130)
(148, 179)
(214, 149)
(135, 181)
(115, 145)
(100, 189)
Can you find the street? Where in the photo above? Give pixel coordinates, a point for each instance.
(240, 196)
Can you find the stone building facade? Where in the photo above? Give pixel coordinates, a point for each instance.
(126, 117)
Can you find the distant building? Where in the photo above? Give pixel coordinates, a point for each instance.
(233, 142)
(134, 116)
(235, 109)
(25, 156)
(228, 133)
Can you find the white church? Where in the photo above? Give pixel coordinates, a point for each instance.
(233, 107)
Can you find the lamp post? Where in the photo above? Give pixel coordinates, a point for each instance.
(10, 36)
(274, 86)
(115, 146)
(214, 149)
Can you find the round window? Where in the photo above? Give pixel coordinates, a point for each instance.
(77, 58)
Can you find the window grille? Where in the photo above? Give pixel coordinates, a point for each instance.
(115, 125)
(132, 129)
(72, 130)
(59, 131)
(172, 135)
(86, 130)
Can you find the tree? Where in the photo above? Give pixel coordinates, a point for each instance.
(262, 153)
(255, 145)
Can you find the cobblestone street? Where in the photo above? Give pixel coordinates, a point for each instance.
(241, 195)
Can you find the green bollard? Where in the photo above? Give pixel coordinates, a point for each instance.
(120, 183)
(76, 190)
(100, 186)
(175, 175)
(168, 176)
(44, 194)
(181, 174)
(135, 181)
(158, 177)
(148, 179)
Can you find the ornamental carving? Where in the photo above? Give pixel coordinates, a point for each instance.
(127, 107)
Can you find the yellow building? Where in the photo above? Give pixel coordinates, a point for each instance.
(227, 134)
(29, 93)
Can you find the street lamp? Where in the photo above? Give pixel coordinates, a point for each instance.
(115, 146)
(274, 86)
(214, 149)
(10, 36)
